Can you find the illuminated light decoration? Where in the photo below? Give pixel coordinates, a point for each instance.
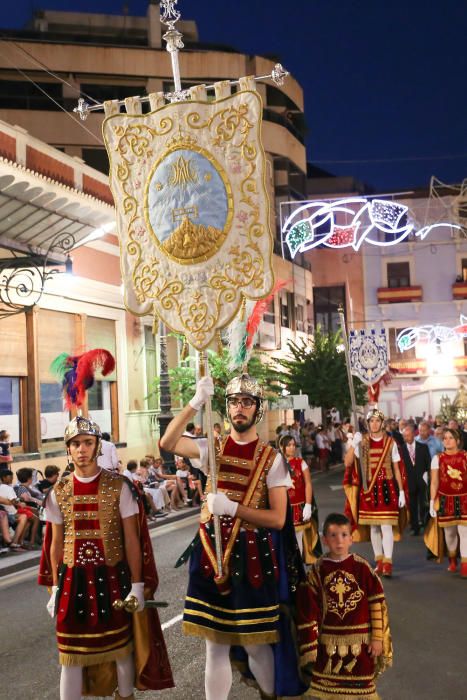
(434, 335)
(368, 355)
(350, 222)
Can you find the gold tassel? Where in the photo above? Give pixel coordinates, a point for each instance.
(330, 650)
(342, 650)
(355, 650)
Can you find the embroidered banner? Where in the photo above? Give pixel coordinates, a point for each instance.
(368, 355)
(188, 180)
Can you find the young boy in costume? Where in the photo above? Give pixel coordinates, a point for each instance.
(354, 643)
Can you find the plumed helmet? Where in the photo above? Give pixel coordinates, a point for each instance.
(83, 426)
(245, 384)
(376, 413)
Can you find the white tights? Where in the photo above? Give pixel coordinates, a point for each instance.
(71, 679)
(299, 538)
(382, 540)
(450, 535)
(218, 678)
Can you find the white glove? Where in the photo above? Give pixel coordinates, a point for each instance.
(137, 591)
(204, 389)
(349, 437)
(425, 477)
(219, 504)
(433, 512)
(51, 604)
(307, 511)
(357, 438)
(401, 499)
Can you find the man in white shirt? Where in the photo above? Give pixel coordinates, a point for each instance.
(108, 459)
(251, 501)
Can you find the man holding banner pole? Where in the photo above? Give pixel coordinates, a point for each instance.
(261, 569)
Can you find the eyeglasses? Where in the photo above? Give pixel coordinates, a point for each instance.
(244, 403)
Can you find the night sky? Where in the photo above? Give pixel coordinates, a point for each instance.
(385, 81)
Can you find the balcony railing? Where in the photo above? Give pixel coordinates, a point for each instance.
(459, 290)
(396, 295)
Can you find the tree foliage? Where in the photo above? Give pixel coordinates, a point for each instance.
(319, 370)
(183, 379)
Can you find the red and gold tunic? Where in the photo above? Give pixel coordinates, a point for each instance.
(378, 503)
(94, 573)
(349, 604)
(452, 489)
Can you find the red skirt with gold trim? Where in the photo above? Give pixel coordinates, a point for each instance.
(89, 630)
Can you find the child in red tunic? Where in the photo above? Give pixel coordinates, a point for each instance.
(354, 643)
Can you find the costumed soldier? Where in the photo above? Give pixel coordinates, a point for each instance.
(302, 501)
(262, 569)
(97, 551)
(374, 484)
(448, 502)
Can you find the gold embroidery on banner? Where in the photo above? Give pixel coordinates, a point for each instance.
(231, 136)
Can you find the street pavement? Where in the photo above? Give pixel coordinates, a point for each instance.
(427, 606)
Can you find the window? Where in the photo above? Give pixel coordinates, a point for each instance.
(398, 274)
(22, 94)
(95, 398)
(10, 418)
(96, 158)
(326, 302)
(299, 318)
(285, 311)
(270, 313)
(394, 354)
(100, 405)
(464, 270)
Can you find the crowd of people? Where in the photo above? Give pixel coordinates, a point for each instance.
(23, 494)
(391, 468)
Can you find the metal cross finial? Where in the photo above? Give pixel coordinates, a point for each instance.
(82, 109)
(173, 38)
(278, 74)
(169, 14)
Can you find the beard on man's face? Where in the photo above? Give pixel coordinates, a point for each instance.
(244, 425)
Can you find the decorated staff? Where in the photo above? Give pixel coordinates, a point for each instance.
(96, 554)
(188, 180)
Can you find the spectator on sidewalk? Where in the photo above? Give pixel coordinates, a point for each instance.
(108, 459)
(9, 502)
(23, 488)
(51, 474)
(130, 471)
(5, 456)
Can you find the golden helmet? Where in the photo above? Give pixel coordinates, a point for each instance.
(376, 413)
(245, 384)
(83, 426)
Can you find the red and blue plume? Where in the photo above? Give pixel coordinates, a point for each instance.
(76, 373)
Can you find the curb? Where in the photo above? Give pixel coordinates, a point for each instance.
(7, 568)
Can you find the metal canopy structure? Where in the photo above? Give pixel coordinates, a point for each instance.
(34, 210)
(41, 222)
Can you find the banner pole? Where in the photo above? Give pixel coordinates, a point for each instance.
(204, 366)
(347, 364)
